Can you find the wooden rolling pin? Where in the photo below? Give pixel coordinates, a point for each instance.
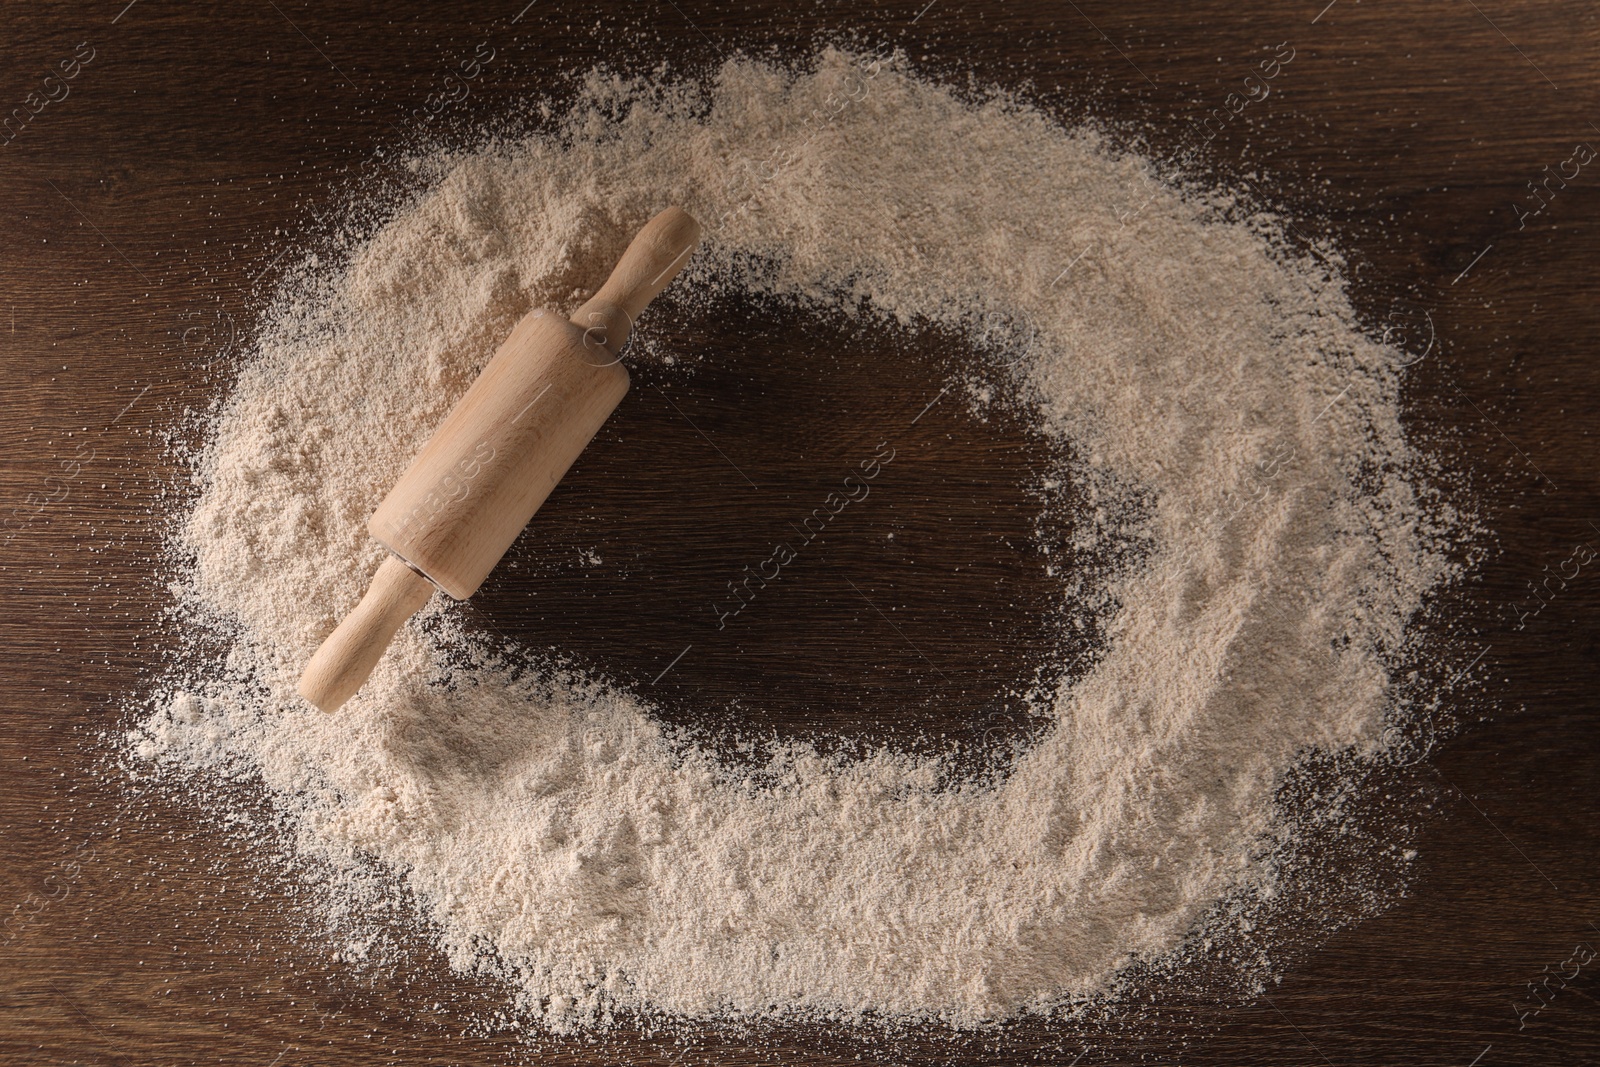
(497, 455)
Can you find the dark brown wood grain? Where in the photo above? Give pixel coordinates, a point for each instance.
(149, 212)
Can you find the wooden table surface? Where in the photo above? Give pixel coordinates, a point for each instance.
(149, 211)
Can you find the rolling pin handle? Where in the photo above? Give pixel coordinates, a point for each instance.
(653, 259)
(347, 657)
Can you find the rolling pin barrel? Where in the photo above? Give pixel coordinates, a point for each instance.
(498, 454)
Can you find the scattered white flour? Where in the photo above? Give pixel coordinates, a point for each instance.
(548, 826)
